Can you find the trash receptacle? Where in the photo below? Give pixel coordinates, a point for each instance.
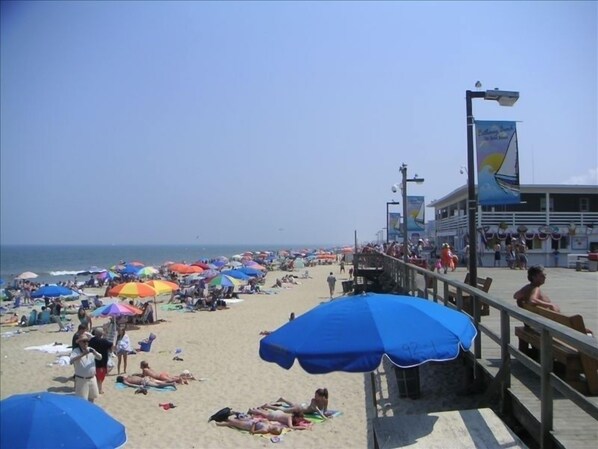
(593, 262)
(408, 382)
(347, 286)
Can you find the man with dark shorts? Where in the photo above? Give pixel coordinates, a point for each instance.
(104, 347)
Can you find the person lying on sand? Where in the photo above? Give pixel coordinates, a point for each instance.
(11, 319)
(139, 381)
(146, 371)
(252, 425)
(296, 420)
(318, 404)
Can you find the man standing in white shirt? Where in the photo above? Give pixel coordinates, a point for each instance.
(83, 358)
(331, 283)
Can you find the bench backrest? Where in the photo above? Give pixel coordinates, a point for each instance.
(482, 283)
(589, 364)
(573, 321)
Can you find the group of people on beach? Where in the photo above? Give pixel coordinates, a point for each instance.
(91, 358)
(273, 418)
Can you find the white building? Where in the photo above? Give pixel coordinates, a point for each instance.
(554, 220)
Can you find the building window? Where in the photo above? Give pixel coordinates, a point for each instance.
(584, 204)
(543, 204)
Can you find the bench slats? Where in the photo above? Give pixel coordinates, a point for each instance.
(581, 371)
(483, 284)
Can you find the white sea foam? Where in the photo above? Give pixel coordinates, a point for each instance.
(64, 273)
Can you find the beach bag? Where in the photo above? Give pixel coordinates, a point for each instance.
(221, 415)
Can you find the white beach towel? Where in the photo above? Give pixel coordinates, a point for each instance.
(51, 349)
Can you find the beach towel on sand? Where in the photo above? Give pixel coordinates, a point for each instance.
(315, 418)
(120, 386)
(51, 348)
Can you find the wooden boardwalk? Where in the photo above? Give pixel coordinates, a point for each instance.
(573, 426)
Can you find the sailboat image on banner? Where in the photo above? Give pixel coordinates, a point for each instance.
(507, 175)
(419, 218)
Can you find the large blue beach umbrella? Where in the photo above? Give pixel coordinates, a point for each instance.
(251, 271)
(49, 420)
(53, 291)
(129, 269)
(237, 274)
(352, 334)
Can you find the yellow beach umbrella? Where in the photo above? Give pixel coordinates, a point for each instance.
(162, 286)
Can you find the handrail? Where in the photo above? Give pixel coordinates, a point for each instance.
(547, 328)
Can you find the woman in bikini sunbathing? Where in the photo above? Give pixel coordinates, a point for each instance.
(295, 420)
(252, 425)
(318, 404)
(146, 371)
(139, 381)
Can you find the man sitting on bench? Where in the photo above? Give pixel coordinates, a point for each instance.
(531, 293)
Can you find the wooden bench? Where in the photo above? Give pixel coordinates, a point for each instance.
(481, 283)
(577, 369)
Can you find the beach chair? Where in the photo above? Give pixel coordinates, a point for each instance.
(17, 302)
(146, 345)
(85, 304)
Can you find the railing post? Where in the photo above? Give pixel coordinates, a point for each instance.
(477, 344)
(546, 390)
(505, 340)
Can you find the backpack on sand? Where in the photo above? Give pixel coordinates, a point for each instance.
(221, 415)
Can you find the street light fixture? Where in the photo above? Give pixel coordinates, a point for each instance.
(405, 232)
(504, 98)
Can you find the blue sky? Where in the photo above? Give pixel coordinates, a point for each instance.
(273, 122)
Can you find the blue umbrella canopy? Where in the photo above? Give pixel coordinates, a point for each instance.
(50, 420)
(237, 274)
(352, 334)
(129, 269)
(53, 291)
(251, 271)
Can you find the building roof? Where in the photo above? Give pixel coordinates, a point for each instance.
(460, 193)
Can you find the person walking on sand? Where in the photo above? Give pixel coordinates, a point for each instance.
(104, 347)
(83, 358)
(331, 283)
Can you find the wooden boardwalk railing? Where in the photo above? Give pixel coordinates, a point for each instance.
(553, 413)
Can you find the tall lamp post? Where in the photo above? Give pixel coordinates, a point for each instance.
(404, 182)
(388, 204)
(504, 98)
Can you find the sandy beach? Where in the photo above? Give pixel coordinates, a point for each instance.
(221, 347)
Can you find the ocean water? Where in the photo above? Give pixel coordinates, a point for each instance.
(53, 263)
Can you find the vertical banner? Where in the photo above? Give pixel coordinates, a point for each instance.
(498, 162)
(415, 213)
(394, 226)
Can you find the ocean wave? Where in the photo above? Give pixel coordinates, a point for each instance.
(64, 273)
